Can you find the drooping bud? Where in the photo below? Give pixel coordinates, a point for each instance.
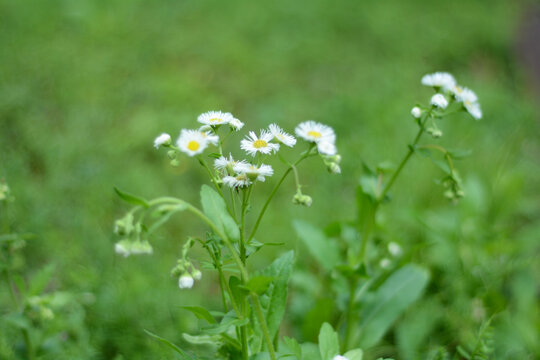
(301, 199)
(197, 274)
(162, 140)
(416, 112)
(185, 281)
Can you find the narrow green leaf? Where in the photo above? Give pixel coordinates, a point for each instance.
(459, 153)
(321, 248)
(401, 289)
(355, 354)
(227, 322)
(259, 284)
(203, 339)
(184, 355)
(132, 199)
(328, 342)
(215, 208)
(274, 299)
(201, 313)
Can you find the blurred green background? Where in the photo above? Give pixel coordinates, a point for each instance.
(85, 86)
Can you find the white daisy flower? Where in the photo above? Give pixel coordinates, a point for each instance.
(315, 132)
(326, 148)
(254, 172)
(163, 139)
(215, 118)
(210, 137)
(474, 109)
(237, 181)
(464, 94)
(185, 281)
(282, 136)
(439, 101)
(224, 163)
(253, 144)
(192, 142)
(439, 79)
(416, 112)
(236, 124)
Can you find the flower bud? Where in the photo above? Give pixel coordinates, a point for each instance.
(333, 168)
(301, 199)
(197, 274)
(171, 154)
(185, 281)
(438, 100)
(162, 140)
(175, 162)
(416, 112)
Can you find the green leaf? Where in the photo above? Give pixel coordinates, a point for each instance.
(328, 342)
(401, 289)
(321, 248)
(259, 284)
(184, 355)
(215, 208)
(459, 153)
(203, 339)
(355, 354)
(239, 293)
(132, 199)
(41, 280)
(227, 322)
(201, 313)
(293, 346)
(274, 299)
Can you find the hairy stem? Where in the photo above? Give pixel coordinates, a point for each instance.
(264, 327)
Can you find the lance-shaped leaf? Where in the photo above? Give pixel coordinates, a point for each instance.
(321, 248)
(401, 289)
(183, 355)
(215, 208)
(132, 199)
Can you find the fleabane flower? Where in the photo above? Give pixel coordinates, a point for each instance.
(223, 163)
(185, 281)
(315, 132)
(238, 181)
(463, 94)
(439, 101)
(253, 144)
(440, 80)
(163, 139)
(192, 142)
(282, 136)
(215, 118)
(326, 148)
(236, 124)
(474, 109)
(254, 172)
(209, 136)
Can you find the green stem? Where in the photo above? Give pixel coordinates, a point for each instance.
(350, 313)
(264, 327)
(274, 190)
(401, 165)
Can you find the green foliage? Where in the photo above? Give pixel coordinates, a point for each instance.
(215, 208)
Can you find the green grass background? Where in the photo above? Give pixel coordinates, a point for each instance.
(85, 86)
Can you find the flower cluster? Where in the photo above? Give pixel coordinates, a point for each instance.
(132, 242)
(448, 90)
(243, 173)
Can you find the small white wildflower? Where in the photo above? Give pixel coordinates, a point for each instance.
(197, 274)
(439, 79)
(282, 136)
(416, 112)
(254, 172)
(253, 144)
(192, 142)
(439, 101)
(326, 148)
(394, 249)
(224, 163)
(210, 137)
(474, 109)
(185, 281)
(215, 118)
(463, 94)
(163, 139)
(237, 181)
(340, 357)
(236, 124)
(315, 132)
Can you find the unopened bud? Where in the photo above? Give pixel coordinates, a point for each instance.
(333, 168)
(197, 274)
(416, 112)
(301, 199)
(185, 281)
(162, 140)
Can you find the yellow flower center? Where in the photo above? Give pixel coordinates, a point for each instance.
(241, 177)
(193, 145)
(257, 144)
(215, 120)
(315, 134)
